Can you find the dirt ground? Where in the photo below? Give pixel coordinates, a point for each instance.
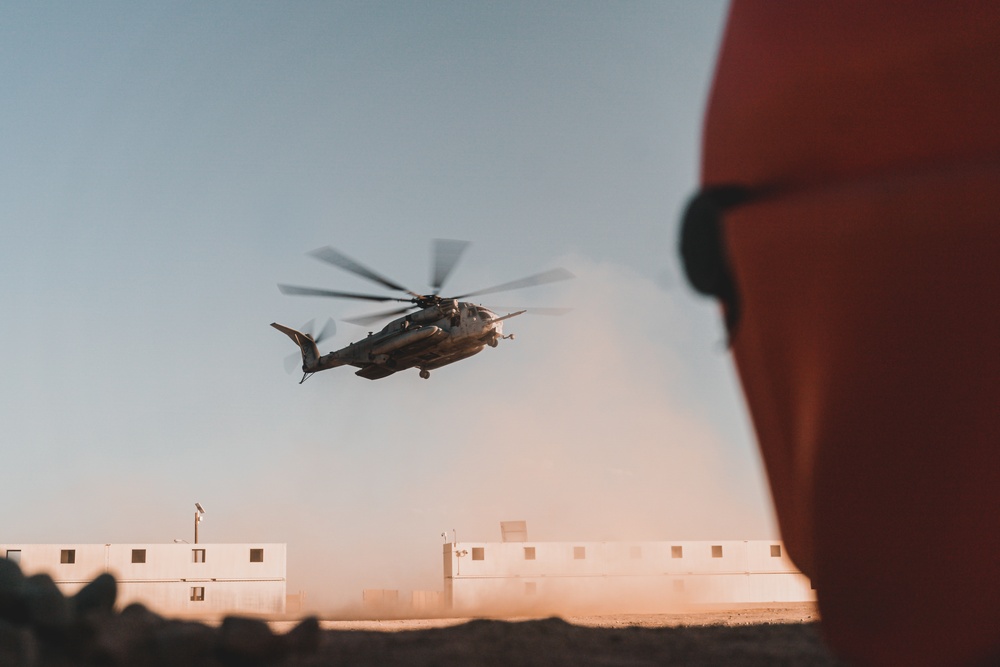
(796, 612)
(756, 635)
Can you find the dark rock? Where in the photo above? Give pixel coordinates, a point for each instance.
(12, 606)
(247, 642)
(90, 606)
(47, 608)
(119, 640)
(97, 597)
(10, 576)
(18, 647)
(304, 638)
(185, 643)
(141, 614)
(125, 638)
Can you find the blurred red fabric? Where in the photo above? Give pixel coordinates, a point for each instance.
(870, 292)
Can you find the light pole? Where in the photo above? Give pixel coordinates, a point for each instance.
(458, 553)
(199, 512)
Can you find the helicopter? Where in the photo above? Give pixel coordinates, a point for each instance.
(440, 330)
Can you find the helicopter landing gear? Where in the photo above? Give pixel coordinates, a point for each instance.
(425, 374)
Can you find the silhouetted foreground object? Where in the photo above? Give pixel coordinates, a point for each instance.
(39, 627)
(866, 268)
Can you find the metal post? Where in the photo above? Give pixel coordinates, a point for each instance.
(199, 511)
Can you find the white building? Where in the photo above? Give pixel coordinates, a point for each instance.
(168, 578)
(635, 577)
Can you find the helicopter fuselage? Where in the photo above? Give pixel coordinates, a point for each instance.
(426, 339)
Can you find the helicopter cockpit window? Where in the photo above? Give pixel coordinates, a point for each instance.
(483, 315)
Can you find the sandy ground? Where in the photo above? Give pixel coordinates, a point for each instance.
(757, 635)
(798, 612)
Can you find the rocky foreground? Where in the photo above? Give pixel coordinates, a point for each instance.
(40, 627)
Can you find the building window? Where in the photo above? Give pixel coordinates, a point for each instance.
(579, 553)
(478, 553)
(138, 555)
(14, 555)
(530, 588)
(677, 552)
(67, 556)
(716, 551)
(256, 555)
(529, 553)
(775, 551)
(198, 555)
(635, 552)
(197, 594)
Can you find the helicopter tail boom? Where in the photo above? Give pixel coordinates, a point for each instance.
(310, 353)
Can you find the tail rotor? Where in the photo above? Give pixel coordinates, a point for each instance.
(292, 361)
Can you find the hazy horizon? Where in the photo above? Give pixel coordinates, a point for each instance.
(169, 165)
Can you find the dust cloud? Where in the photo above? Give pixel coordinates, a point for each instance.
(620, 421)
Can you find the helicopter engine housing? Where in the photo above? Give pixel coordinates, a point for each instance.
(410, 337)
(441, 311)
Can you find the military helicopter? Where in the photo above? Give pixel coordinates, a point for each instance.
(440, 331)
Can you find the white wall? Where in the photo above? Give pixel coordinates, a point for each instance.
(164, 582)
(639, 577)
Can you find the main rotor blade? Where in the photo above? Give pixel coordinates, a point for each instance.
(312, 291)
(447, 252)
(551, 276)
(331, 256)
(531, 310)
(365, 320)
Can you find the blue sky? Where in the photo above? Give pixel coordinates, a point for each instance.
(164, 165)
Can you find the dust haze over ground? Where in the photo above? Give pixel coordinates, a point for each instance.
(583, 426)
(589, 426)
